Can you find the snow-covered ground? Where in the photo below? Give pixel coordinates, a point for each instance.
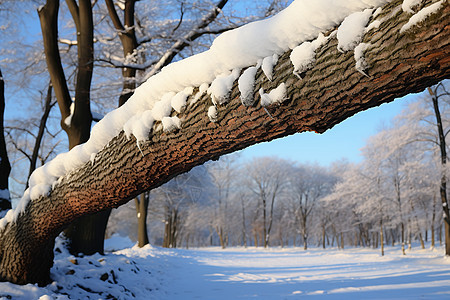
(239, 273)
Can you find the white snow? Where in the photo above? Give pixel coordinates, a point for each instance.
(303, 56)
(163, 108)
(246, 85)
(351, 30)
(178, 101)
(68, 120)
(242, 273)
(171, 123)
(277, 95)
(267, 65)
(212, 113)
(221, 87)
(408, 5)
(302, 21)
(361, 63)
(422, 15)
(201, 91)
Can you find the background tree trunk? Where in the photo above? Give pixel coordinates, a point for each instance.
(443, 154)
(329, 93)
(141, 211)
(5, 167)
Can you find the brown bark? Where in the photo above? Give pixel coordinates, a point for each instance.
(42, 124)
(329, 93)
(87, 234)
(127, 35)
(141, 211)
(443, 156)
(5, 167)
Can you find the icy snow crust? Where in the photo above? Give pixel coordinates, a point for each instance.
(232, 51)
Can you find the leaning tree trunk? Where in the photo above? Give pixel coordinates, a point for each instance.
(328, 93)
(5, 167)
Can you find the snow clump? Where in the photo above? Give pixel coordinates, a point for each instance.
(221, 87)
(303, 56)
(267, 65)
(246, 84)
(277, 95)
(351, 31)
(407, 5)
(361, 63)
(212, 113)
(422, 15)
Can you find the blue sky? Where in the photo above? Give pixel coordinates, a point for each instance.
(341, 142)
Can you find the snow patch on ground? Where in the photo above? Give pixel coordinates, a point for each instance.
(242, 273)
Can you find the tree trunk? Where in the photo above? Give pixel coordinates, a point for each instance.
(328, 93)
(5, 167)
(86, 234)
(142, 208)
(381, 237)
(43, 122)
(443, 185)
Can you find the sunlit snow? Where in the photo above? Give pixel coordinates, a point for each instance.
(242, 273)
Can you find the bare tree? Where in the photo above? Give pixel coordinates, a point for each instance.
(266, 179)
(307, 185)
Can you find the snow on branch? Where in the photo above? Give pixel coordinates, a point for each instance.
(157, 101)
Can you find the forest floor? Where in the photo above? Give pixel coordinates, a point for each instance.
(244, 273)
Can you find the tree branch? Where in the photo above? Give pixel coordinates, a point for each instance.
(183, 42)
(329, 92)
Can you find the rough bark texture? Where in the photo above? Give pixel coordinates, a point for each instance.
(330, 92)
(127, 35)
(443, 154)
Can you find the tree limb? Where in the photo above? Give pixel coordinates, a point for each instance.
(330, 92)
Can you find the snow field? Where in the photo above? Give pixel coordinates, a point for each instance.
(243, 273)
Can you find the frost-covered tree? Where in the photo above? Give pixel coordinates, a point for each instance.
(266, 179)
(306, 186)
(430, 114)
(223, 174)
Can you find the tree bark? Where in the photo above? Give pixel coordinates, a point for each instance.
(5, 167)
(127, 35)
(42, 124)
(328, 93)
(141, 210)
(443, 154)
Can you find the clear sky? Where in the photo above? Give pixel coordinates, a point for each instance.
(342, 141)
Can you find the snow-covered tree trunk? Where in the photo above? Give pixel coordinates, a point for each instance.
(398, 64)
